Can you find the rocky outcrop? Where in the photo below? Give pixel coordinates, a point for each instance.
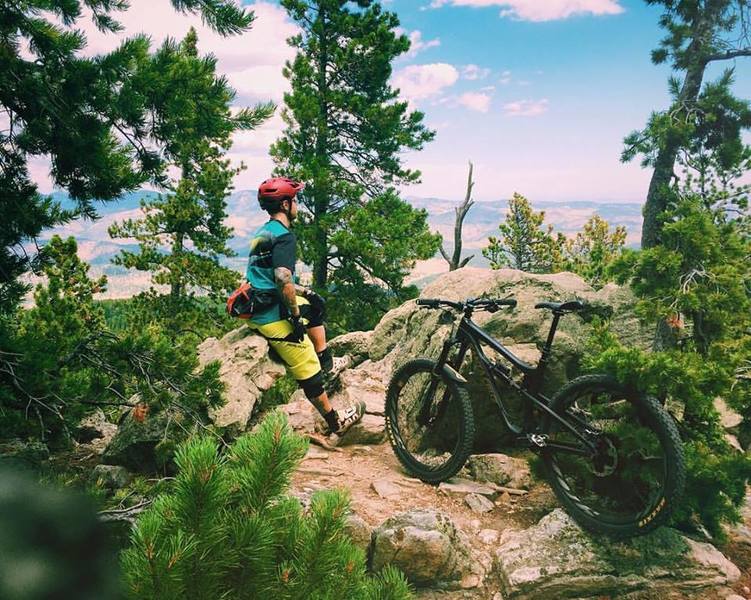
(246, 370)
(425, 545)
(556, 559)
(408, 331)
(147, 445)
(355, 344)
(95, 431)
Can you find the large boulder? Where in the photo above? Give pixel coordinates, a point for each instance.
(425, 545)
(355, 344)
(409, 331)
(246, 370)
(148, 444)
(95, 431)
(556, 559)
(500, 469)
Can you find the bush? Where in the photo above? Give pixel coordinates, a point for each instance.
(688, 383)
(226, 529)
(694, 288)
(59, 360)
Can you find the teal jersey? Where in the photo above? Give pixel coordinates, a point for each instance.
(272, 246)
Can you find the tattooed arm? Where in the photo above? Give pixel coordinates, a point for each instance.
(287, 291)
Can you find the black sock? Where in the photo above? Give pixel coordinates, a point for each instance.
(332, 420)
(325, 358)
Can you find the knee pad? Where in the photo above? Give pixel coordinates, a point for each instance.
(313, 386)
(313, 314)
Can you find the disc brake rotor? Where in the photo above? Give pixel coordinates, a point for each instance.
(605, 460)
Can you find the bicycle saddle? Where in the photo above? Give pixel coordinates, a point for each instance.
(570, 306)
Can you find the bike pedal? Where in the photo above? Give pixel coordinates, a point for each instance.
(538, 440)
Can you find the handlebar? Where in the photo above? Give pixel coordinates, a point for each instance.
(489, 304)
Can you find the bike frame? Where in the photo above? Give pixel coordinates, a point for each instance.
(469, 335)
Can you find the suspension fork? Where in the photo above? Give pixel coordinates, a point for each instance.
(424, 417)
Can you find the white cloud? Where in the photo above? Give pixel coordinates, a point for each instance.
(475, 101)
(252, 62)
(260, 84)
(416, 43)
(264, 44)
(259, 139)
(473, 72)
(505, 78)
(526, 108)
(541, 10)
(417, 82)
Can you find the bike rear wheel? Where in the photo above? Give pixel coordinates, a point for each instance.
(437, 449)
(635, 477)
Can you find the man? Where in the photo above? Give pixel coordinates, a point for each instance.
(289, 317)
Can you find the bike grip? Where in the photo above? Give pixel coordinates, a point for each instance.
(507, 302)
(432, 302)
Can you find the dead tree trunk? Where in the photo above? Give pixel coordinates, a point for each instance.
(455, 260)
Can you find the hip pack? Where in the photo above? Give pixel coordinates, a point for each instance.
(247, 301)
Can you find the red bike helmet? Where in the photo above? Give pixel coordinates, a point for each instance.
(272, 192)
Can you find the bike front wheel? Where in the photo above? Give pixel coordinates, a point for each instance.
(632, 475)
(429, 421)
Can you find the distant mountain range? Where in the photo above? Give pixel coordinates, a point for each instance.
(96, 247)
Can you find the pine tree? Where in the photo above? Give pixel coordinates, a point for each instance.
(59, 360)
(695, 282)
(227, 529)
(94, 117)
(189, 222)
(594, 249)
(699, 33)
(524, 243)
(345, 134)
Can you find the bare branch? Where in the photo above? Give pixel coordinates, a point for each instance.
(729, 54)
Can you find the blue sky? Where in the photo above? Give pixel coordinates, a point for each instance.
(591, 77)
(537, 93)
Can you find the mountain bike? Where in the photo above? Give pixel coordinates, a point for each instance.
(612, 454)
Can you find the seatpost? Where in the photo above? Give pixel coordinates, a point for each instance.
(549, 343)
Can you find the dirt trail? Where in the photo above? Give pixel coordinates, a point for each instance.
(359, 469)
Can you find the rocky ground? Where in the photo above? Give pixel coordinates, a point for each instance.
(524, 546)
(495, 532)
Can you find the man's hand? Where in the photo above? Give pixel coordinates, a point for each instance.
(298, 329)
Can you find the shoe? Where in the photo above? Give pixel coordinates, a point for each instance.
(349, 416)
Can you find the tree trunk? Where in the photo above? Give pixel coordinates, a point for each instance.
(455, 261)
(320, 193)
(177, 249)
(658, 193)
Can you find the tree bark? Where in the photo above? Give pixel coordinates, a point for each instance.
(320, 193)
(455, 261)
(658, 194)
(177, 249)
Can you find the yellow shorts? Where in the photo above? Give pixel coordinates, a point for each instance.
(300, 357)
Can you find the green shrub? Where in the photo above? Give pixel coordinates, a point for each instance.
(689, 383)
(59, 360)
(226, 530)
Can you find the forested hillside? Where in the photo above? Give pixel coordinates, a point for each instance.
(561, 409)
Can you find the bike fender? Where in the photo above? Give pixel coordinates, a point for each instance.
(452, 374)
